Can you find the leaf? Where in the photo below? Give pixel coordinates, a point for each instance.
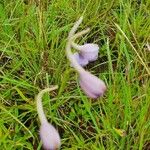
(120, 132)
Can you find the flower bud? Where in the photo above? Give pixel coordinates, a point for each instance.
(91, 85)
(88, 51)
(49, 136)
(80, 59)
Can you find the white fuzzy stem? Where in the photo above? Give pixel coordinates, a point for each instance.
(79, 34)
(72, 59)
(75, 27)
(40, 110)
(68, 46)
(76, 46)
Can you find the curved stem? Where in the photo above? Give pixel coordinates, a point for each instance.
(72, 58)
(68, 46)
(79, 34)
(74, 28)
(40, 110)
(76, 46)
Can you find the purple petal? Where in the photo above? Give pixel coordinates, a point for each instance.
(91, 85)
(80, 59)
(49, 136)
(86, 90)
(89, 51)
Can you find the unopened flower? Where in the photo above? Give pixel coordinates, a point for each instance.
(49, 135)
(91, 85)
(80, 59)
(88, 51)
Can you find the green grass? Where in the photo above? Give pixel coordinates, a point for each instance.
(32, 57)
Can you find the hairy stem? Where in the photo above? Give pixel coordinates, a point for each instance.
(40, 110)
(68, 47)
(76, 46)
(79, 34)
(75, 27)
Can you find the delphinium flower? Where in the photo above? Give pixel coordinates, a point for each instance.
(88, 51)
(49, 135)
(90, 84)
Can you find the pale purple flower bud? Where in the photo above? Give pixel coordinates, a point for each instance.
(80, 59)
(88, 51)
(49, 136)
(91, 85)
